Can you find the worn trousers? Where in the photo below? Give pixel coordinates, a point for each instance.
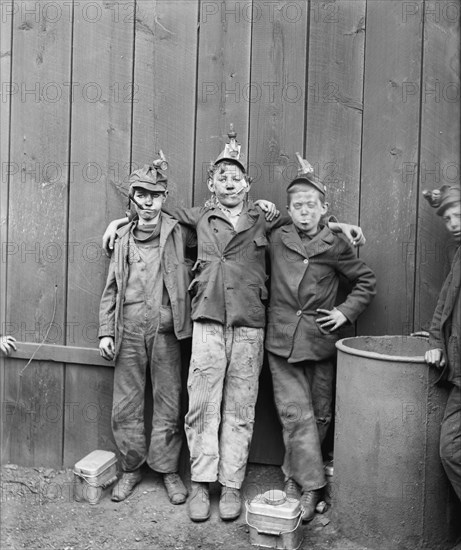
(144, 347)
(223, 387)
(450, 439)
(303, 395)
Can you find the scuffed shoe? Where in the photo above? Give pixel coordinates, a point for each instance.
(199, 502)
(125, 485)
(309, 501)
(291, 489)
(177, 493)
(230, 505)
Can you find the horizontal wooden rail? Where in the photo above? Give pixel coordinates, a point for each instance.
(60, 354)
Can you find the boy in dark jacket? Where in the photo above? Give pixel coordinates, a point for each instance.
(306, 261)
(445, 336)
(144, 313)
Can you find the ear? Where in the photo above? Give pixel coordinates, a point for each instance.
(210, 184)
(325, 207)
(165, 195)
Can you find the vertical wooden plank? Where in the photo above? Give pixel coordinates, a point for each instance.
(100, 158)
(440, 147)
(276, 98)
(6, 23)
(37, 229)
(165, 77)
(223, 83)
(390, 139)
(335, 102)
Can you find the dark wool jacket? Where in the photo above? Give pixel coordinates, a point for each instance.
(292, 331)
(177, 275)
(444, 332)
(230, 272)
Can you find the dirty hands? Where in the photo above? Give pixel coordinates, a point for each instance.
(269, 208)
(333, 319)
(435, 358)
(7, 344)
(107, 347)
(108, 238)
(353, 233)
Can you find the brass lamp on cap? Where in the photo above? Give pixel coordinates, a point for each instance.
(443, 198)
(306, 175)
(232, 151)
(150, 176)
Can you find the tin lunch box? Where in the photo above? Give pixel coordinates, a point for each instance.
(275, 521)
(93, 476)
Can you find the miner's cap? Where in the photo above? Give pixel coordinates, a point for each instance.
(148, 178)
(443, 198)
(308, 179)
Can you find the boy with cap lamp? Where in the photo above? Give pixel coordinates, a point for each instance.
(144, 312)
(444, 336)
(228, 315)
(306, 261)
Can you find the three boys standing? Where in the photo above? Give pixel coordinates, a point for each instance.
(228, 317)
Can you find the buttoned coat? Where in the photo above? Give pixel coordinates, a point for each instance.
(444, 331)
(176, 271)
(292, 330)
(230, 273)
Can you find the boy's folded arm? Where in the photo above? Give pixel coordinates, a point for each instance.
(363, 280)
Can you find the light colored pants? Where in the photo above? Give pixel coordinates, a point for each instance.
(223, 387)
(303, 395)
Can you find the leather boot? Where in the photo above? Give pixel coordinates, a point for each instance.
(199, 502)
(125, 485)
(309, 501)
(229, 504)
(175, 489)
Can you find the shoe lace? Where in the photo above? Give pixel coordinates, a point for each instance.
(308, 498)
(291, 485)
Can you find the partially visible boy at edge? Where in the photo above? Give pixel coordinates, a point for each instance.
(228, 315)
(307, 259)
(445, 336)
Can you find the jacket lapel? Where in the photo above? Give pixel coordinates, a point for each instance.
(292, 240)
(166, 228)
(320, 243)
(248, 218)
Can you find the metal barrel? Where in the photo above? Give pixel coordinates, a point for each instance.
(390, 490)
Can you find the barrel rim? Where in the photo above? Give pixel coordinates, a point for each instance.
(341, 345)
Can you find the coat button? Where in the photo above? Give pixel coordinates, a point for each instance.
(299, 312)
(306, 261)
(223, 259)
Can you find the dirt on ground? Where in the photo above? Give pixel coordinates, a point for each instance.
(38, 511)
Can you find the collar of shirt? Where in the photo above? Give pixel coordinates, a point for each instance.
(146, 232)
(233, 217)
(304, 236)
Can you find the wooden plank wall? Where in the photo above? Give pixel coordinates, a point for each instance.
(367, 90)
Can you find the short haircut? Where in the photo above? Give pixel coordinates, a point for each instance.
(303, 186)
